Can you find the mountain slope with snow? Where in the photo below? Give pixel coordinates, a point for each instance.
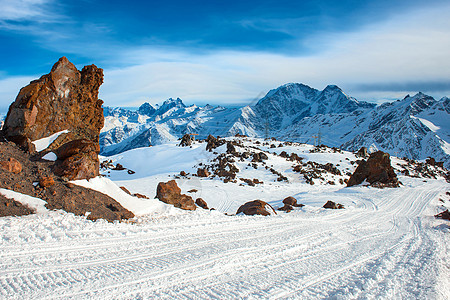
(385, 244)
(416, 127)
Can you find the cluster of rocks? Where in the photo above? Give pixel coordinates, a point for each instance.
(312, 170)
(108, 165)
(65, 101)
(333, 205)
(429, 169)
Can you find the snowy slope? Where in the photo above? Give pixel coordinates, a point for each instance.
(416, 127)
(384, 245)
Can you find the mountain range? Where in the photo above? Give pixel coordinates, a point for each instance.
(415, 127)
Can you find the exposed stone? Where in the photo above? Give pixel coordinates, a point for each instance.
(287, 208)
(140, 196)
(256, 207)
(443, 215)
(292, 202)
(125, 190)
(183, 173)
(333, 205)
(377, 170)
(119, 167)
(213, 143)
(186, 140)
(11, 165)
(259, 157)
(202, 203)
(170, 193)
(362, 152)
(202, 172)
(46, 181)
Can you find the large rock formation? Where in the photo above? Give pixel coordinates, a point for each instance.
(64, 99)
(377, 171)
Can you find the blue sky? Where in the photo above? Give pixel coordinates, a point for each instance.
(230, 52)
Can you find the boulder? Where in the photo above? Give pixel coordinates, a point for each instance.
(202, 172)
(10, 207)
(377, 170)
(170, 193)
(64, 99)
(332, 205)
(256, 207)
(362, 152)
(186, 140)
(259, 157)
(212, 143)
(292, 202)
(125, 190)
(202, 203)
(46, 181)
(11, 165)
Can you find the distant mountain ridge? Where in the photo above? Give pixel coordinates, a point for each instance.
(415, 127)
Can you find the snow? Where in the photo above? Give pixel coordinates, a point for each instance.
(51, 156)
(34, 203)
(385, 244)
(43, 143)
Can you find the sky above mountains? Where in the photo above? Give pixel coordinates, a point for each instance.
(230, 52)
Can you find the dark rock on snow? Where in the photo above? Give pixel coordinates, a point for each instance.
(443, 215)
(170, 193)
(202, 203)
(256, 207)
(332, 205)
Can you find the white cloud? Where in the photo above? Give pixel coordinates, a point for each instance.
(411, 47)
(19, 10)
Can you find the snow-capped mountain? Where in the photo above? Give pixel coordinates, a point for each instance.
(416, 127)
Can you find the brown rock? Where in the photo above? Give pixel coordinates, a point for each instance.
(64, 99)
(362, 152)
(11, 165)
(186, 140)
(332, 205)
(443, 215)
(10, 207)
(80, 166)
(256, 207)
(202, 173)
(292, 202)
(202, 203)
(287, 208)
(46, 181)
(377, 169)
(170, 193)
(125, 190)
(140, 196)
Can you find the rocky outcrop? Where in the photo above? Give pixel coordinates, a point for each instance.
(186, 140)
(37, 180)
(64, 99)
(377, 171)
(362, 152)
(170, 193)
(256, 207)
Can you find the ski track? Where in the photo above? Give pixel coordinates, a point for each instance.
(380, 250)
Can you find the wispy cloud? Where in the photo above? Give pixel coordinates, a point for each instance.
(409, 49)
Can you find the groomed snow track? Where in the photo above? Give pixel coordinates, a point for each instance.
(386, 247)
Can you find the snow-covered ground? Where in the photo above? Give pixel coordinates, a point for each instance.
(385, 244)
